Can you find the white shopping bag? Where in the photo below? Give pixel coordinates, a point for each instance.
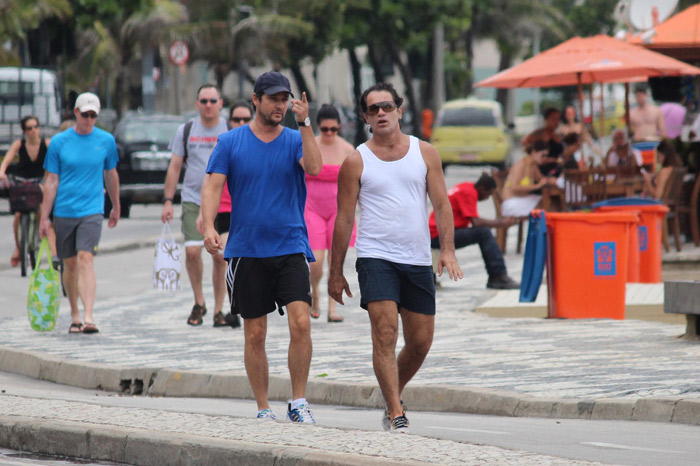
(166, 262)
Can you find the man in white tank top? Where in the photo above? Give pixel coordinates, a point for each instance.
(390, 177)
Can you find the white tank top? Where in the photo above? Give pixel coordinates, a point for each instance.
(393, 208)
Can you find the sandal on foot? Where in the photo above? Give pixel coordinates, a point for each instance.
(220, 320)
(75, 328)
(196, 315)
(90, 328)
(335, 318)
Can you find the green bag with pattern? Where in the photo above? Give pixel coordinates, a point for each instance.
(44, 298)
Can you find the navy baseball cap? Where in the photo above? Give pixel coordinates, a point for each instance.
(271, 83)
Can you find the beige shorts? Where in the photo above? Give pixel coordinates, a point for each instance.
(193, 237)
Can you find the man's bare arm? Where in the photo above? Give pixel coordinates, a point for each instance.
(437, 191)
(212, 187)
(348, 193)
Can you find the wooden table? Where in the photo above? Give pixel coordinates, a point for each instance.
(624, 187)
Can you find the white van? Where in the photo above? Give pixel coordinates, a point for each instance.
(28, 91)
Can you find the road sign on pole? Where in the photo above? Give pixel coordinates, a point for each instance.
(179, 53)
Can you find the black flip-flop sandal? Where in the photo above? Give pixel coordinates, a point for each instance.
(75, 328)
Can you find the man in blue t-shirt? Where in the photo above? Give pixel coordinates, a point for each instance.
(76, 163)
(268, 248)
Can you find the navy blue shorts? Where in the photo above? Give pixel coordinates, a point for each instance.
(410, 286)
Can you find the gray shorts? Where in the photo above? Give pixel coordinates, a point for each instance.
(77, 234)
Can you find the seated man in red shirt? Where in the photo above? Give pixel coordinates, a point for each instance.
(470, 229)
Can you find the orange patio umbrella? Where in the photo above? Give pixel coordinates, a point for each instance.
(678, 36)
(588, 60)
(596, 59)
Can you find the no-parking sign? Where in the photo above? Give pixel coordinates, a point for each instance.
(179, 53)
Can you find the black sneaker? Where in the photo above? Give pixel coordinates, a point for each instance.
(399, 425)
(233, 320)
(502, 282)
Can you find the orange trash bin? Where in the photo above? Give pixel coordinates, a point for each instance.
(587, 264)
(650, 225)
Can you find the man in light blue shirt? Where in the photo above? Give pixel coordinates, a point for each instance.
(77, 161)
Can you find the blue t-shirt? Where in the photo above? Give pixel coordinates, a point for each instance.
(268, 193)
(79, 160)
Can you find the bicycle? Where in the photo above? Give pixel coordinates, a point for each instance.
(25, 198)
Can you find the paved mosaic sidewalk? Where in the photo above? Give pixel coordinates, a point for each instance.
(556, 358)
(372, 444)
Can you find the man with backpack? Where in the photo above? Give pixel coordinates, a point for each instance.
(192, 146)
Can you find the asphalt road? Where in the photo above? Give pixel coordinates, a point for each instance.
(609, 442)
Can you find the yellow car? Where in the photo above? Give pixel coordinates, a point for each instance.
(471, 132)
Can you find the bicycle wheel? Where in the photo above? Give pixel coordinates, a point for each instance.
(23, 239)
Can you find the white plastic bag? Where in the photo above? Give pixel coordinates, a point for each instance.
(166, 262)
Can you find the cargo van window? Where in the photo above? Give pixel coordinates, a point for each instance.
(467, 116)
(16, 92)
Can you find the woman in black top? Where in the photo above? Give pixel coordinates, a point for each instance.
(32, 152)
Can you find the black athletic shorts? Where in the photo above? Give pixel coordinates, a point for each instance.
(222, 222)
(410, 286)
(258, 286)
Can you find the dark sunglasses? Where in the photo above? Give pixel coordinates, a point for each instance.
(240, 119)
(92, 115)
(386, 106)
(29, 128)
(211, 101)
(326, 129)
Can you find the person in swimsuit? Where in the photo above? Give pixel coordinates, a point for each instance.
(32, 152)
(549, 134)
(321, 202)
(523, 180)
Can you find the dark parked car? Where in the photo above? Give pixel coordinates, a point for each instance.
(142, 142)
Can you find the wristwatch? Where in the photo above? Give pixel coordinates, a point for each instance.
(306, 122)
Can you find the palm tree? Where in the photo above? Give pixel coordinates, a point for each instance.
(512, 24)
(108, 49)
(19, 16)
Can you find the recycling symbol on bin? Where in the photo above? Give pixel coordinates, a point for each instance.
(604, 259)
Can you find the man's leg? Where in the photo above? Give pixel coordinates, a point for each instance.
(300, 347)
(384, 320)
(490, 252)
(193, 262)
(70, 282)
(418, 336)
(255, 358)
(316, 273)
(87, 283)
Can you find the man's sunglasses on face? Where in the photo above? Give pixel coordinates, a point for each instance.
(333, 129)
(386, 106)
(205, 101)
(92, 115)
(240, 119)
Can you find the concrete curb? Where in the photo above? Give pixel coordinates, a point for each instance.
(149, 448)
(441, 398)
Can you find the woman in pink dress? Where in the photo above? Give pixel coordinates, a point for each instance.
(321, 202)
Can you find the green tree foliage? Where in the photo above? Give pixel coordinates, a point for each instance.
(19, 16)
(111, 36)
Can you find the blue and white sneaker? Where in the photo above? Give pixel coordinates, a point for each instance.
(266, 414)
(386, 420)
(301, 414)
(399, 425)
